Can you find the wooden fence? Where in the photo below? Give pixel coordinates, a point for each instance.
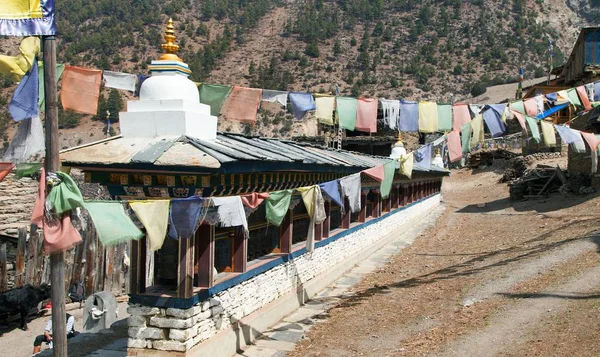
(99, 268)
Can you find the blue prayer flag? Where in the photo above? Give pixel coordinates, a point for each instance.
(24, 103)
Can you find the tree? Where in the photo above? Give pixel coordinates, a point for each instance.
(312, 50)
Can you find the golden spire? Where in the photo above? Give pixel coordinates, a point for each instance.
(170, 47)
(399, 139)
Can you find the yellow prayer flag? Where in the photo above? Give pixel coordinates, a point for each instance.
(308, 197)
(325, 107)
(19, 9)
(17, 66)
(428, 117)
(406, 165)
(477, 125)
(548, 133)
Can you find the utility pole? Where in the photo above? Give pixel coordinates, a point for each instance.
(52, 164)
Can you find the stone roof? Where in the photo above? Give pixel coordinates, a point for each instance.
(17, 197)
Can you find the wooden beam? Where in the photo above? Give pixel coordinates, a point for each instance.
(240, 254)
(142, 267)
(285, 232)
(327, 222)
(185, 282)
(205, 264)
(20, 263)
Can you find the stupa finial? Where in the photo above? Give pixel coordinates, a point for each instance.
(170, 47)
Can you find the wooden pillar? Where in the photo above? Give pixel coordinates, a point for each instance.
(20, 259)
(205, 255)
(327, 223)
(285, 232)
(403, 195)
(420, 190)
(376, 204)
(240, 252)
(347, 214)
(388, 203)
(185, 283)
(362, 214)
(396, 196)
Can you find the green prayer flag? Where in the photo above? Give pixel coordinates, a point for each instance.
(65, 196)
(214, 95)
(277, 205)
(465, 137)
(518, 106)
(574, 97)
(112, 223)
(533, 128)
(389, 170)
(60, 68)
(27, 169)
(346, 112)
(444, 117)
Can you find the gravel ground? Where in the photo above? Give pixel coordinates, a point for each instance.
(492, 278)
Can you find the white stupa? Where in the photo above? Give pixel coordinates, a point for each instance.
(437, 160)
(169, 102)
(398, 150)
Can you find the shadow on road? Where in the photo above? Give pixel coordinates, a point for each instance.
(568, 296)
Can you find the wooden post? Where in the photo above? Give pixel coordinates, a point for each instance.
(285, 232)
(134, 267)
(90, 261)
(388, 203)
(376, 204)
(31, 253)
(362, 214)
(395, 197)
(240, 254)
(3, 277)
(52, 164)
(327, 222)
(347, 214)
(39, 260)
(100, 262)
(185, 285)
(109, 267)
(205, 263)
(20, 271)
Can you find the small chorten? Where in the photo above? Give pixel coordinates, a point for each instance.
(169, 103)
(398, 150)
(437, 161)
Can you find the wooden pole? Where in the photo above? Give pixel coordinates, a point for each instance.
(3, 277)
(52, 164)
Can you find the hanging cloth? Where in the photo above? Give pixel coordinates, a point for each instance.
(325, 107)
(254, 199)
(377, 173)
(592, 140)
(118, 80)
(64, 197)
(444, 117)
(548, 133)
(461, 115)
(315, 206)
(60, 235)
(277, 206)
(466, 131)
(273, 96)
(332, 190)
(302, 103)
(391, 112)
(366, 115)
(15, 67)
(475, 109)
(539, 101)
(5, 169)
(454, 147)
(214, 95)
(406, 164)
(492, 117)
(531, 107)
(24, 103)
(477, 126)
(518, 106)
(351, 186)
(583, 96)
(428, 117)
(112, 223)
(346, 108)
(28, 142)
(242, 104)
(562, 97)
(423, 156)
(154, 215)
(60, 68)
(409, 116)
(590, 91)
(571, 137)
(141, 79)
(521, 120)
(27, 168)
(184, 217)
(597, 91)
(533, 128)
(231, 212)
(80, 89)
(389, 170)
(574, 97)
(37, 216)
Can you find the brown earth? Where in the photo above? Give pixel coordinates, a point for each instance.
(491, 278)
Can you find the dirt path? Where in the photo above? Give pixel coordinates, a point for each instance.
(492, 278)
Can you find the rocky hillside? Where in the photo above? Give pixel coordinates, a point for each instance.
(437, 50)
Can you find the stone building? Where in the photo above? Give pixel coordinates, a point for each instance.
(212, 294)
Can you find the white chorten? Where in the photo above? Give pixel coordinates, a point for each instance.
(398, 150)
(169, 102)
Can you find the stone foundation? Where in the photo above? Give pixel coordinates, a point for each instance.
(179, 330)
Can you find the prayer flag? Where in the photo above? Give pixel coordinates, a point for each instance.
(465, 137)
(533, 128)
(24, 103)
(5, 169)
(346, 110)
(15, 67)
(574, 97)
(583, 96)
(273, 96)
(27, 18)
(461, 115)
(214, 95)
(531, 107)
(351, 186)
(277, 205)
(391, 112)
(242, 104)
(477, 126)
(548, 133)
(184, 217)
(254, 199)
(377, 173)
(592, 140)
(301, 103)
(423, 156)
(112, 223)
(518, 106)
(597, 91)
(521, 120)
(60, 68)
(389, 170)
(492, 116)
(454, 147)
(325, 107)
(81, 89)
(154, 215)
(409, 116)
(444, 117)
(118, 80)
(332, 190)
(428, 117)
(366, 115)
(406, 164)
(64, 197)
(61, 235)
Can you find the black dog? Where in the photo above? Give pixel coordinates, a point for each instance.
(22, 300)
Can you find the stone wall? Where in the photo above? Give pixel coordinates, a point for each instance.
(17, 197)
(170, 329)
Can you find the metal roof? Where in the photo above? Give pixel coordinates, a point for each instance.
(227, 153)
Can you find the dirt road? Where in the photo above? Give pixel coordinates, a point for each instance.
(492, 278)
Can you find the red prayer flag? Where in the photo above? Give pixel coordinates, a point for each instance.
(242, 104)
(454, 146)
(80, 89)
(5, 169)
(377, 172)
(366, 115)
(253, 200)
(531, 107)
(583, 96)
(461, 115)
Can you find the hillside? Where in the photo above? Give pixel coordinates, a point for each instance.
(430, 50)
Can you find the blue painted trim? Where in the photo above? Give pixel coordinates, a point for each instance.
(186, 303)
